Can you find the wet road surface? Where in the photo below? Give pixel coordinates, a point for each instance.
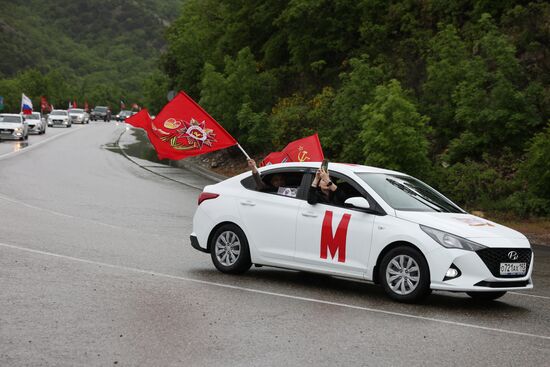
(96, 269)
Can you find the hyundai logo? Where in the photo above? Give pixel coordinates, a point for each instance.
(512, 255)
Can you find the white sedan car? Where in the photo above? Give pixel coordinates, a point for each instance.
(386, 227)
(59, 118)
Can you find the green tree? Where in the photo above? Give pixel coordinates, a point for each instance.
(394, 133)
(536, 167)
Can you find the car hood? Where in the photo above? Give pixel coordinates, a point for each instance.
(32, 122)
(9, 125)
(76, 114)
(464, 225)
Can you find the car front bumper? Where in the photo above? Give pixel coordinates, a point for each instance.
(474, 276)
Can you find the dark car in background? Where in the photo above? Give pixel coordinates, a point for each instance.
(100, 113)
(122, 115)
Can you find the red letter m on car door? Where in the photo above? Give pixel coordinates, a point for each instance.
(337, 242)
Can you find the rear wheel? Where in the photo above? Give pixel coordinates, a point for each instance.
(486, 296)
(229, 250)
(405, 275)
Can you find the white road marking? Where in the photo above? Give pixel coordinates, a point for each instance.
(31, 147)
(275, 294)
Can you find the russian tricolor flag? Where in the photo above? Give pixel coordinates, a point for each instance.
(26, 104)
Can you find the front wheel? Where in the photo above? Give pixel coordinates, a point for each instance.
(486, 296)
(229, 250)
(405, 275)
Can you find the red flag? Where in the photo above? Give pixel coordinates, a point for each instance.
(44, 105)
(142, 119)
(74, 104)
(86, 106)
(305, 150)
(183, 129)
(274, 158)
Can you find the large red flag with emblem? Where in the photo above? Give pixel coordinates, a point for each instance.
(307, 149)
(44, 105)
(182, 129)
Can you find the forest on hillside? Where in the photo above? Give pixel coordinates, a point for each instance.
(95, 50)
(454, 92)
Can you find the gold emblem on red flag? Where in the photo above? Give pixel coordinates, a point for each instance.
(184, 136)
(302, 154)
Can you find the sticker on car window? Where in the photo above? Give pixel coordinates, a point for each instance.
(288, 191)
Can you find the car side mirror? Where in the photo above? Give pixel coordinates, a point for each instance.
(357, 202)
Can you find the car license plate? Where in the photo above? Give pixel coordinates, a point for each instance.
(513, 268)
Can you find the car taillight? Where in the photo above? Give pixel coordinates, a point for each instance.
(206, 196)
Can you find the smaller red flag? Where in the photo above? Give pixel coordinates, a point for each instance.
(274, 158)
(86, 108)
(74, 104)
(142, 120)
(307, 149)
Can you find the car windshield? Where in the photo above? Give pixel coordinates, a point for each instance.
(58, 113)
(100, 109)
(32, 116)
(76, 110)
(4, 118)
(409, 194)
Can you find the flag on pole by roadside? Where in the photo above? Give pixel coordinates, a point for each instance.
(86, 107)
(44, 105)
(182, 129)
(26, 104)
(75, 105)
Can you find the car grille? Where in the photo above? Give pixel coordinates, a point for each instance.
(492, 257)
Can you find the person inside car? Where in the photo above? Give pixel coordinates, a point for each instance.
(324, 191)
(276, 181)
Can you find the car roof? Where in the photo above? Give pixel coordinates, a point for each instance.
(340, 167)
(58, 110)
(10, 114)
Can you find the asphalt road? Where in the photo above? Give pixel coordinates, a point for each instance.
(96, 269)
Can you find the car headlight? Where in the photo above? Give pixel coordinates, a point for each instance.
(18, 129)
(450, 240)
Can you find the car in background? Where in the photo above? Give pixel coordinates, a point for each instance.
(36, 123)
(101, 113)
(78, 116)
(122, 115)
(59, 118)
(13, 126)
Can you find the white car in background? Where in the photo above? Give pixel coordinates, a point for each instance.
(59, 118)
(389, 228)
(37, 124)
(78, 116)
(13, 126)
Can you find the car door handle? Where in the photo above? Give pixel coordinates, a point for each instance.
(248, 203)
(309, 214)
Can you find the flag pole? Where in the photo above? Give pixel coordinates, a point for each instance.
(244, 152)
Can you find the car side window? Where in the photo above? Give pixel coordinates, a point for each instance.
(347, 188)
(282, 183)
